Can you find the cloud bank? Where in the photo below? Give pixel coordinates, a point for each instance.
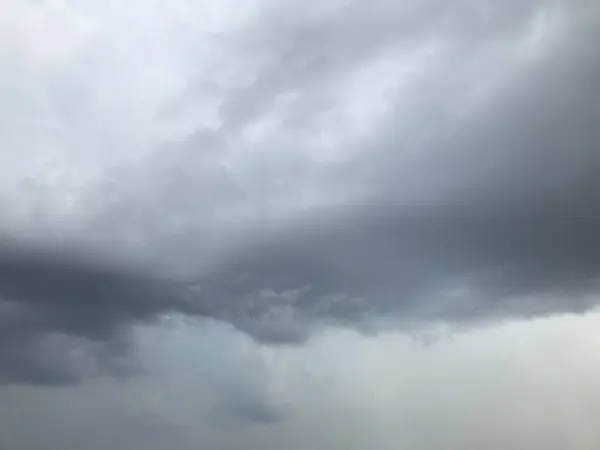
(276, 172)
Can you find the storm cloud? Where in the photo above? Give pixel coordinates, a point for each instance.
(464, 190)
(214, 194)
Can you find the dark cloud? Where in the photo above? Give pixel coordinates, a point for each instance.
(496, 217)
(55, 295)
(473, 208)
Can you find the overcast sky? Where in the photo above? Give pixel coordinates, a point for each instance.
(262, 224)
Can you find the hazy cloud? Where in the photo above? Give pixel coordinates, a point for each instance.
(528, 384)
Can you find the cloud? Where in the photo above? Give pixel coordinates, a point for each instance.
(528, 383)
(62, 312)
(45, 36)
(285, 171)
(479, 214)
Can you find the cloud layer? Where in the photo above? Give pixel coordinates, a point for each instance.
(527, 384)
(278, 172)
(473, 169)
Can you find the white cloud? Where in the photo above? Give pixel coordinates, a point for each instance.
(44, 35)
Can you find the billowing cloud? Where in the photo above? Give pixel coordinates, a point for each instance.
(362, 161)
(278, 171)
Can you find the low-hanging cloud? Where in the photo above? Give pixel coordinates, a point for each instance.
(527, 384)
(304, 177)
(246, 223)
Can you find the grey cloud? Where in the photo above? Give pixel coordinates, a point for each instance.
(49, 293)
(179, 192)
(503, 206)
(499, 203)
(243, 407)
(306, 54)
(536, 378)
(66, 318)
(474, 198)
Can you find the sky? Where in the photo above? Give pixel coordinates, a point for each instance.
(260, 224)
